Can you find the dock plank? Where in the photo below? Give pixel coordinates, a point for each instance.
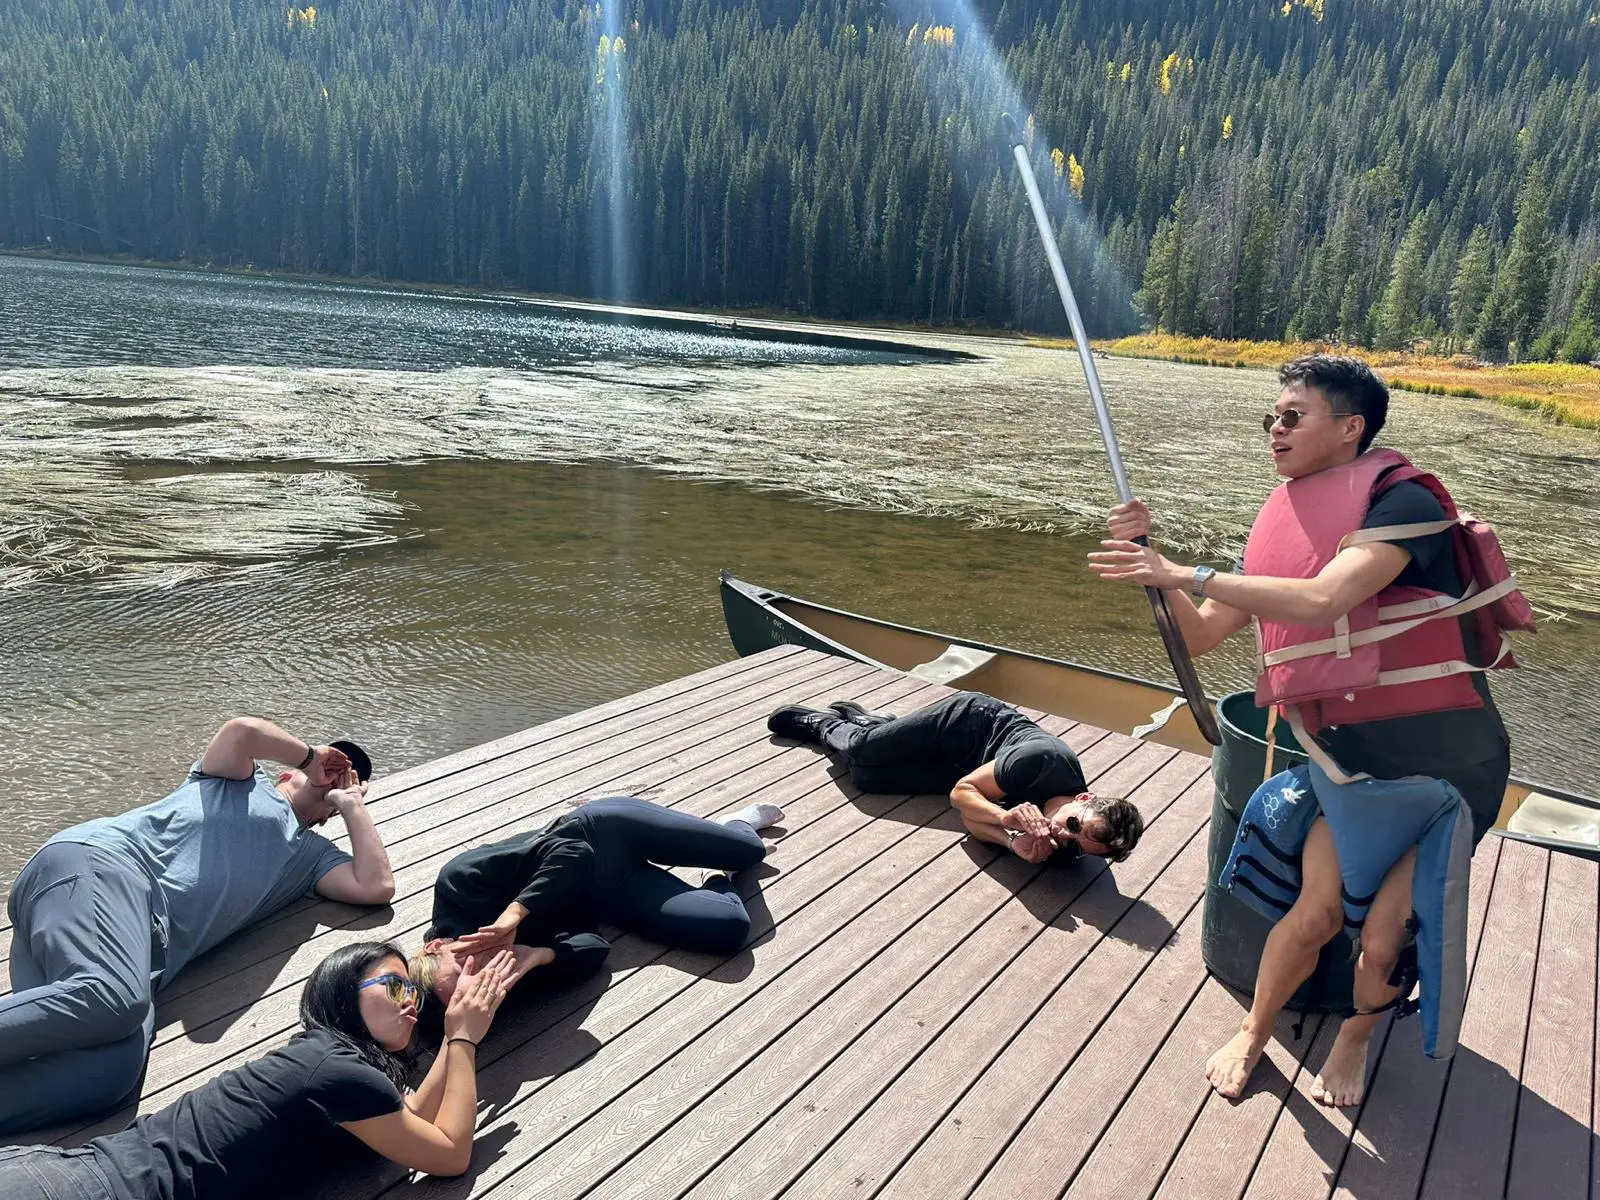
(893, 1086)
(1158, 966)
(1310, 1143)
(759, 1080)
(272, 1017)
(1550, 1156)
(1472, 1141)
(1152, 1125)
(917, 1014)
(1220, 1150)
(1062, 1130)
(418, 788)
(892, 883)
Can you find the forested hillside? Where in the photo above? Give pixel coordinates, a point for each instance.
(1368, 171)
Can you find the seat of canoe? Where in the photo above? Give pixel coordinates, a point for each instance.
(954, 665)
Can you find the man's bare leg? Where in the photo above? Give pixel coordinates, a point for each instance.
(1343, 1080)
(1287, 961)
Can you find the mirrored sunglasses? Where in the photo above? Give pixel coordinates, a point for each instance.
(398, 988)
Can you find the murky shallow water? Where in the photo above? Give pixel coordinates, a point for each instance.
(425, 559)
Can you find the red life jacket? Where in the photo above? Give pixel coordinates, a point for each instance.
(1396, 654)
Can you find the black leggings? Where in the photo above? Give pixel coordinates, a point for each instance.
(922, 753)
(628, 835)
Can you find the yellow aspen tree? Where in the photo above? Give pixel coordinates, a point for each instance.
(1167, 68)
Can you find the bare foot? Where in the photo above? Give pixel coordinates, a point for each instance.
(1343, 1080)
(1228, 1070)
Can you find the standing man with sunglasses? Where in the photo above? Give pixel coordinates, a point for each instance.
(1309, 573)
(107, 912)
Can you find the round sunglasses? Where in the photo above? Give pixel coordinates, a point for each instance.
(398, 988)
(1070, 848)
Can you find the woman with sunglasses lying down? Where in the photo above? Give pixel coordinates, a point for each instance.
(541, 895)
(274, 1126)
(1013, 783)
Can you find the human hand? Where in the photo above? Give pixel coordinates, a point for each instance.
(496, 936)
(1026, 818)
(326, 766)
(477, 996)
(1129, 522)
(1128, 562)
(348, 792)
(1032, 849)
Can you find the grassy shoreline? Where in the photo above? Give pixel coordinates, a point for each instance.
(1562, 392)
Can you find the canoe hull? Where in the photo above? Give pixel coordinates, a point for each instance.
(759, 618)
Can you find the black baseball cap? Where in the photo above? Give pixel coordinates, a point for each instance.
(358, 758)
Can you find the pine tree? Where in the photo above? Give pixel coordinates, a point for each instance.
(1470, 287)
(1401, 306)
(1524, 280)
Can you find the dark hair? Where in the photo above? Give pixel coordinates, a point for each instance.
(331, 1003)
(1117, 823)
(1348, 383)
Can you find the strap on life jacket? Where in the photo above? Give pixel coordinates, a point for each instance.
(1432, 609)
(1404, 976)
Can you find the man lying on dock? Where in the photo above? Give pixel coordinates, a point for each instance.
(107, 912)
(1352, 573)
(1013, 784)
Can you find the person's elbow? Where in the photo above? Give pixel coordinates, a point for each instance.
(227, 755)
(442, 1162)
(455, 1163)
(378, 893)
(343, 885)
(1320, 607)
(963, 796)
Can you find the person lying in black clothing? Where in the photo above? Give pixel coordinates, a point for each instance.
(276, 1126)
(1013, 784)
(541, 895)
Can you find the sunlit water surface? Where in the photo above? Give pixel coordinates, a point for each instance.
(425, 521)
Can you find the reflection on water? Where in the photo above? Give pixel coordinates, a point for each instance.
(428, 559)
(81, 315)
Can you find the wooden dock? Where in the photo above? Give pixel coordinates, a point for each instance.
(917, 1015)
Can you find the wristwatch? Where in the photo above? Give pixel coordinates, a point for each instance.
(1202, 576)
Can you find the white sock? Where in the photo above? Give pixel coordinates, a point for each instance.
(757, 816)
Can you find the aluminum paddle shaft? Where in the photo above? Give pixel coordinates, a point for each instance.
(1069, 301)
(1171, 636)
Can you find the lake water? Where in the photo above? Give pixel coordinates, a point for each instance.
(424, 521)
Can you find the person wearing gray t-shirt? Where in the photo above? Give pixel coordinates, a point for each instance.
(107, 912)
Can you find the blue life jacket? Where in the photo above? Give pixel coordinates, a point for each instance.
(1373, 822)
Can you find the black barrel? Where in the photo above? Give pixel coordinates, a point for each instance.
(1231, 935)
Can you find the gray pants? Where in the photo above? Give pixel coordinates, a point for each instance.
(77, 1028)
(46, 1173)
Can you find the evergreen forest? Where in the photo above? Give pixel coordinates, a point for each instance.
(1372, 172)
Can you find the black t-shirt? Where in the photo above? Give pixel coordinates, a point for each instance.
(1032, 769)
(268, 1129)
(1434, 744)
(1030, 765)
(549, 871)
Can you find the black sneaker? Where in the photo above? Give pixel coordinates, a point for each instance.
(799, 722)
(856, 715)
